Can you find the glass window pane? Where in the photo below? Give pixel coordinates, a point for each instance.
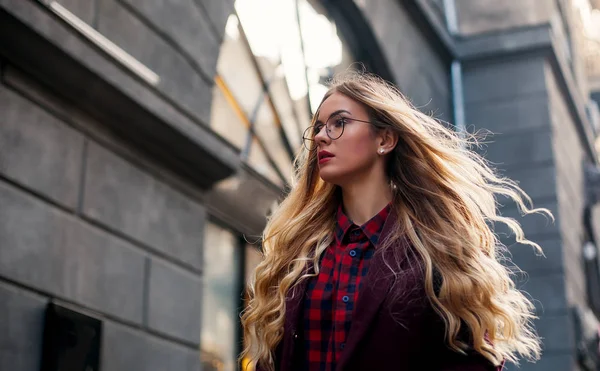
(268, 132)
(253, 257)
(285, 107)
(222, 278)
(324, 50)
(236, 68)
(225, 120)
(289, 74)
(258, 161)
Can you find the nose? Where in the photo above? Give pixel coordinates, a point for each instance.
(321, 137)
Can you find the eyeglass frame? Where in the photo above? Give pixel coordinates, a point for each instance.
(305, 138)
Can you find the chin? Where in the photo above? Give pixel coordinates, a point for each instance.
(332, 176)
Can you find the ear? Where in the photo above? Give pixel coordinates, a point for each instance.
(387, 140)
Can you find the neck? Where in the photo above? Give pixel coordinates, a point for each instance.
(364, 198)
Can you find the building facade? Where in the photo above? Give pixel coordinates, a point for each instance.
(142, 144)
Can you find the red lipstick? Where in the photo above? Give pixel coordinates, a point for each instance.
(325, 156)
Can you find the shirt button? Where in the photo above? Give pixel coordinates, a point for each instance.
(352, 252)
(345, 299)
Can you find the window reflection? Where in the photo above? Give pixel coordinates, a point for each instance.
(225, 119)
(253, 257)
(220, 299)
(273, 70)
(259, 162)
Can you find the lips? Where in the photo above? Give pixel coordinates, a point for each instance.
(324, 156)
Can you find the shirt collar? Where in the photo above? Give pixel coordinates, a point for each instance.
(372, 228)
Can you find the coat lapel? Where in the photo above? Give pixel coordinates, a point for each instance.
(293, 310)
(375, 289)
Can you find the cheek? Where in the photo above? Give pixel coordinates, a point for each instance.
(359, 149)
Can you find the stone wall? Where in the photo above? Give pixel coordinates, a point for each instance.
(419, 70)
(517, 111)
(90, 224)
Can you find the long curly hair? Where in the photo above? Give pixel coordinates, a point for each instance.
(445, 202)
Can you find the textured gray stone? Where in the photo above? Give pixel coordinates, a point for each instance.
(123, 197)
(538, 181)
(423, 77)
(217, 13)
(508, 116)
(479, 16)
(124, 349)
(105, 274)
(534, 225)
(54, 252)
(556, 332)
(174, 301)
(39, 151)
(519, 150)
(21, 329)
(547, 291)
(84, 10)
(143, 115)
(504, 79)
(550, 361)
(34, 241)
(178, 79)
(530, 261)
(187, 25)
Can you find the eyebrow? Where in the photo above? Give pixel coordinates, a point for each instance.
(333, 114)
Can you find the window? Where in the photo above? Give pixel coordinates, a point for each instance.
(228, 265)
(275, 59)
(220, 299)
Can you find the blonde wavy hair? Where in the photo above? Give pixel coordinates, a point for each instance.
(445, 201)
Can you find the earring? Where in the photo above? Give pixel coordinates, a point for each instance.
(381, 151)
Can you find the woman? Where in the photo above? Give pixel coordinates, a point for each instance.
(382, 256)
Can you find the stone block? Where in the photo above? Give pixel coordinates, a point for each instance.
(34, 241)
(423, 77)
(39, 151)
(547, 291)
(504, 79)
(105, 273)
(550, 361)
(477, 16)
(519, 150)
(538, 181)
(185, 24)
(217, 12)
(530, 261)
(178, 78)
(125, 198)
(84, 10)
(125, 349)
(556, 332)
(174, 301)
(508, 116)
(21, 329)
(51, 251)
(534, 225)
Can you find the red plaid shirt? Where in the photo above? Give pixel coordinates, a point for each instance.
(332, 295)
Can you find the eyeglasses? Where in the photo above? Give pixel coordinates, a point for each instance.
(334, 128)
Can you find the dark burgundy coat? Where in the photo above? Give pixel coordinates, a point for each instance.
(389, 332)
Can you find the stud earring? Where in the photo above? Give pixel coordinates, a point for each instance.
(381, 151)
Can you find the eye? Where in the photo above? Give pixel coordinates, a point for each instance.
(317, 128)
(339, 121)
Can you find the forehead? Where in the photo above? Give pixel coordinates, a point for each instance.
(336, 102)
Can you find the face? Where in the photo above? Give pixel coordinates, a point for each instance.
(354, 153)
